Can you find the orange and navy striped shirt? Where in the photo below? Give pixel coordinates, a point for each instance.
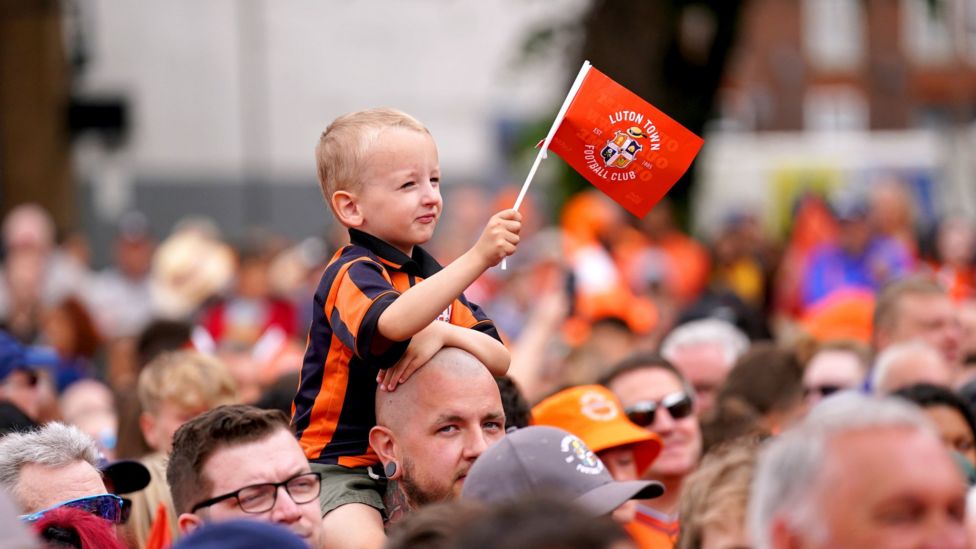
(334, 408)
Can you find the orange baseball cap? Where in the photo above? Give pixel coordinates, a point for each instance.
(594, 414)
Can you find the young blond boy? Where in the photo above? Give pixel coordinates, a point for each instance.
(172, 389)
(375, 309)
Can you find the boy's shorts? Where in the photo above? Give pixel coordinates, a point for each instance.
(344, 485)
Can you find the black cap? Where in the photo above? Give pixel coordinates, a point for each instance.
(125, 475)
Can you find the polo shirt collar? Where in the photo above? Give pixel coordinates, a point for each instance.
(420, 263)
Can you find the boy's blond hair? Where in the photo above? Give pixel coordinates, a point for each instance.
(343, 146)
(188, 379)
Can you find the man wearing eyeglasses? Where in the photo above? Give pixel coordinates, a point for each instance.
(834, 366)
(656, 396)
(243, 462)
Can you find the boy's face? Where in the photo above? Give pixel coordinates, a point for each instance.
(400, 197)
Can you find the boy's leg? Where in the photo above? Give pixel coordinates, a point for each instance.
(354, 526)
(351, 502)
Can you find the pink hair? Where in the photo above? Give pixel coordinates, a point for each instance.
(71, 527)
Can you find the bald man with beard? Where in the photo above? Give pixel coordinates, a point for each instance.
(432, 427)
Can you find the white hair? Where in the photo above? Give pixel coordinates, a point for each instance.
(970, 520)
(971, 505)
(895, 354)
(707, 331)
(789, 467)
(54, 445)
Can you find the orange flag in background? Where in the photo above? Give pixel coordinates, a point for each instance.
(622, 144)
(159, 536)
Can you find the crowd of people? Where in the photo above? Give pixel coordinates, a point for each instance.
(619, 384)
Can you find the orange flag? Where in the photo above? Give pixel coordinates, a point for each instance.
(159, 536)
(622, 144)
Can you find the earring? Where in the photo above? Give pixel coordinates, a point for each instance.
(390, 469)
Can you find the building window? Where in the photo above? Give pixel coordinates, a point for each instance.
(833, 34)
(926, 31)
(967, 30)
(835, 108)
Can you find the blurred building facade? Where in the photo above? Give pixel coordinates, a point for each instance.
(224, 100)
(853, 65)
(835, 93)
(221, 103)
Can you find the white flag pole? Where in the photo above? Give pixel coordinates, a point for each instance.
(552, 132)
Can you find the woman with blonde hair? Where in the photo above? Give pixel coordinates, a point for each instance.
(714, 498)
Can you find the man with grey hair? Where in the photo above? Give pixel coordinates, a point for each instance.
(53, 464)
(860, 471)
(704, 351)
(908, 363)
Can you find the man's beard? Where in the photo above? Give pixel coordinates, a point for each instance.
(419, 496)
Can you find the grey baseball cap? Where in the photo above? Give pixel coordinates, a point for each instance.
(547, 460)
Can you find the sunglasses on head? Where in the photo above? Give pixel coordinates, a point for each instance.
(822, 390)
(106, 506)
(30, 378)
(678, 405)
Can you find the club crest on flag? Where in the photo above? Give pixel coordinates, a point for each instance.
(621, 150)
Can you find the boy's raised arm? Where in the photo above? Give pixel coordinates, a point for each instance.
(421, 304)
(491, 352)
(488, 350)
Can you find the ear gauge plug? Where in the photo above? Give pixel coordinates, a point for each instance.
(390, 469)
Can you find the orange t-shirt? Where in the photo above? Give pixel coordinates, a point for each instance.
(652, 530)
